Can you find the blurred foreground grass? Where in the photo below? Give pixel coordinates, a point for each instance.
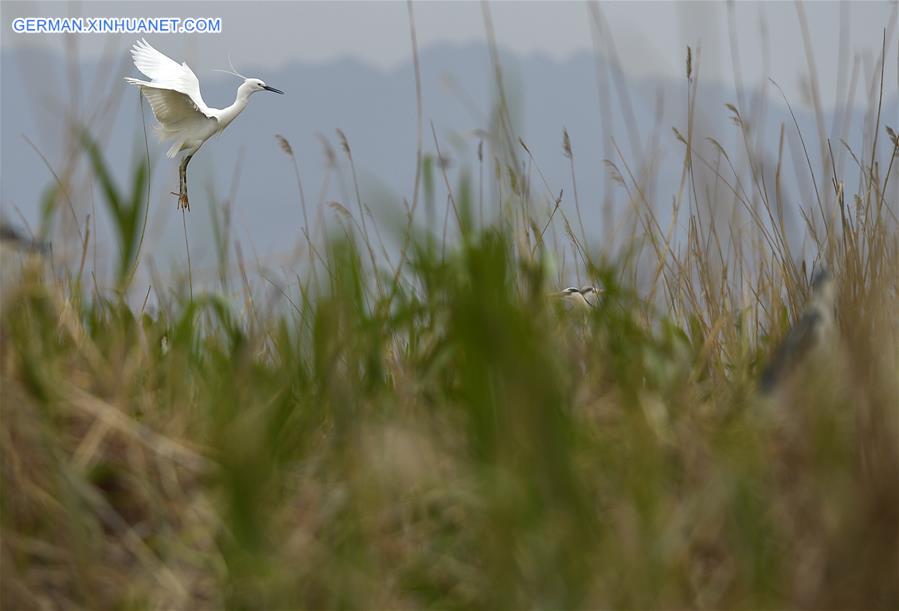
(469, 446)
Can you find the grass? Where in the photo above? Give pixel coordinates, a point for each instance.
(435, 432)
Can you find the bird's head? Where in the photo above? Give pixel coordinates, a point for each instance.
(823, 286)
(591, 294)
(255, 84)
(821, 277)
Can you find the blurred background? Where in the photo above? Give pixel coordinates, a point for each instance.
(612, 74)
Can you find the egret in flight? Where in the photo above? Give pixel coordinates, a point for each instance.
(173, 92)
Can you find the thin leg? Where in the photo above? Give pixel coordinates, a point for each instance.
(183, 203)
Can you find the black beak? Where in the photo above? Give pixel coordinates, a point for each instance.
(272, 89)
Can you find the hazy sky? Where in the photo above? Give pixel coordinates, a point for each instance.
(649, 36)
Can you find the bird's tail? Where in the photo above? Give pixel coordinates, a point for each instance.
(174, 148)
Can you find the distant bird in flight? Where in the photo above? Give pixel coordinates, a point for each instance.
(174, 94)
(809, 335)
(585, 297)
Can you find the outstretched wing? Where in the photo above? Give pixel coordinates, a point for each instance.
(178, 116)
(166, 73)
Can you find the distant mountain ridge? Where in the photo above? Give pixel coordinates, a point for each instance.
(376, 109)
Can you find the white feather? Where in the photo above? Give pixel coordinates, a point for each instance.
(166, 73)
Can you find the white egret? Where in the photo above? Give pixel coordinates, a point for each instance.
(582, 297)
(174, 95)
